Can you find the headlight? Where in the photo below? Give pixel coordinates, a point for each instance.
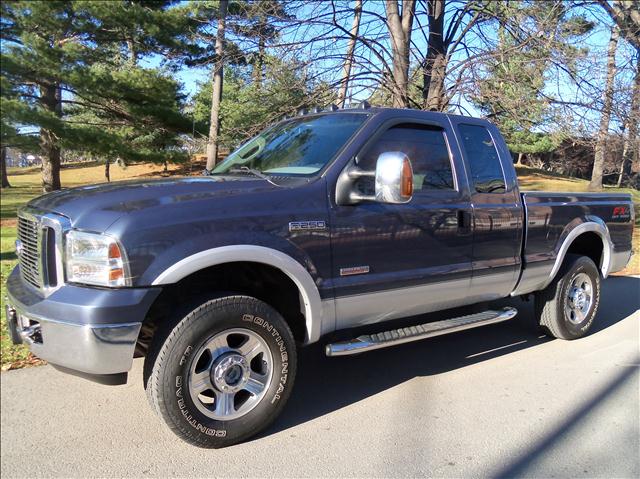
(94, 259)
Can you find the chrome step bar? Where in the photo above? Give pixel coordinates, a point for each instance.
(369, 342)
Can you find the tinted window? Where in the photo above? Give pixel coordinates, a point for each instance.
(426, 148)
(486, 172)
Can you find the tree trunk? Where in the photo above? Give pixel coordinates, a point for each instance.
(626, 15)
(50, 99)
(598, 162)
(348, 61)
(434, 68)
(520, 157)
(400, 25)
(216, 90)
(631, 142)
(262, 47)
(107, 170)
(3, 169)
(133, 57)
(259, 62)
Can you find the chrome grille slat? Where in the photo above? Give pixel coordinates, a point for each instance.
(30, 261)
(40, 234)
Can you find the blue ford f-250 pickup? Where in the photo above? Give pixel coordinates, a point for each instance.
(325, 222)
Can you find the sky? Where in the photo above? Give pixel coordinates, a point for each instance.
(596, 41)
(331, 68)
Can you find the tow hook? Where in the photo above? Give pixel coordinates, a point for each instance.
(22, 329)
(12, 323)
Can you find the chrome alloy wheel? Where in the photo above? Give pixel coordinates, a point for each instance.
(579, 298)
(230, 374)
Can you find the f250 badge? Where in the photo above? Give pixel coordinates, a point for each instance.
(307, 226)
(621, 213)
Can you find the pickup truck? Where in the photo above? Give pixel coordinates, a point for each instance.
(328, 221)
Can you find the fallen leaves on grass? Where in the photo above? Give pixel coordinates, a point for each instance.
(28, 362)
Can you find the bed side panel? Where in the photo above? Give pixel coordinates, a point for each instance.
(551, 217)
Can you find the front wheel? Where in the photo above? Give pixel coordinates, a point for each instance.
(567, 307)
(223, 372)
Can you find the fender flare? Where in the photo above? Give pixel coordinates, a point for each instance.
(307, 288)
(594, 225)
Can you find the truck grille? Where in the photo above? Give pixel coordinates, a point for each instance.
(30, 261)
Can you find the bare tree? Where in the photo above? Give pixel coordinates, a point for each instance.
(216, 89)
(400, 25)
(631, 141)
(434, 65)
(348, 61)
(598, 163)
(626, 14)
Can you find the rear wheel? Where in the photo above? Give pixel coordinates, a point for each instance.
(223, 372)
(567, 307)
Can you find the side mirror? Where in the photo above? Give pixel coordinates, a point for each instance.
(394, 178)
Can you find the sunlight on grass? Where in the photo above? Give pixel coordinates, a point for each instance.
(10, 354)
(25, 185)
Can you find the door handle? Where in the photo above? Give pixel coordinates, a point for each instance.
(464, 220)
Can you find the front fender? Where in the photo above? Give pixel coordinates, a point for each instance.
(257, 254)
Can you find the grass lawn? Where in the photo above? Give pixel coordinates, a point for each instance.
(26, 185)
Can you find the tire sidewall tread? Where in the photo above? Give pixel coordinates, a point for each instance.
(549, 303)
(172, 354)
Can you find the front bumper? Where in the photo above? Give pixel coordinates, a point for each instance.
(86, 330)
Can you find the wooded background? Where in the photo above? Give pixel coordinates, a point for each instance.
(161, 81)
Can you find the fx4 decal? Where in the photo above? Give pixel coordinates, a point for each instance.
(621, 213)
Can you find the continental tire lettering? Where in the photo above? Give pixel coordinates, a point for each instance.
(284, 355)
(185, 355)
(277, 394)
(189, 417)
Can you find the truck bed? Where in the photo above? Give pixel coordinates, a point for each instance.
(551, 218)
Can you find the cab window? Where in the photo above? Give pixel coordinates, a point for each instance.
(483, 159)
(427, 150)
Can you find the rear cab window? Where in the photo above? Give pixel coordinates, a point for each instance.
(482, 156)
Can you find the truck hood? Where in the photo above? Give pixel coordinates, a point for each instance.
(96, 207)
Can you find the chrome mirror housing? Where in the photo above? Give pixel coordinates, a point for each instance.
(394, 178)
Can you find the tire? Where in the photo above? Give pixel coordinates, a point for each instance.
(223, 372)
(566, 308)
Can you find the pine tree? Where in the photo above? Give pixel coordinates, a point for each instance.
(256, 21)
(11, 136)
(65, 60)
(511, 90)
(247, 108)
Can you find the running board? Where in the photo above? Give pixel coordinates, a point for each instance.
(369, 342)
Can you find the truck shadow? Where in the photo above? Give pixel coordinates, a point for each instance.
(324, 385)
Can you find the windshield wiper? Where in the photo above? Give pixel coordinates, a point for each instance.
(253, 171)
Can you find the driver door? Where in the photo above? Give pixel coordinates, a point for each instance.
(397, 260)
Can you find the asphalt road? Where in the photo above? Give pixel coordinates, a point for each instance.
(499, 401)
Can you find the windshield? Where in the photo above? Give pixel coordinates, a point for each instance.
(301, 146)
